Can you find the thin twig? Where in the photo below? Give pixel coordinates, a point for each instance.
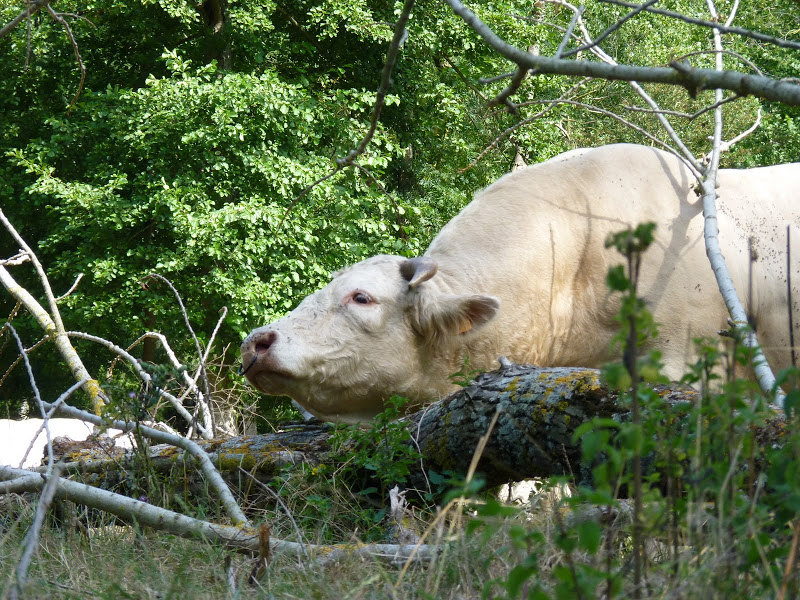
(145, 377)
(37, 396)
(32, 536)
(44, 426)
(378, 184)
(398, 39)
(28, 35)
(277, 498)
(30, 9)
(71, 289)
(735, 55)
(568, 33)
(687, 116)
(18, 360)
(503, 135)
(596, 41)
(305, 192)
(712, 25)
(400, 34)
(464, 78)
(208, 419)
(11, 316)
(521, 123)
(726, 146)
(71, 37)
(16, 260)
(590, 108)
(690, 79)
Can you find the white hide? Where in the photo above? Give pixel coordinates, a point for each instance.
(520, 272)
(17, 436)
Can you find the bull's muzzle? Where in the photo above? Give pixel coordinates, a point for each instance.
(255, 345)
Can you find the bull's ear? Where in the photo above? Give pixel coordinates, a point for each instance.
(447, 315)
(418, 269)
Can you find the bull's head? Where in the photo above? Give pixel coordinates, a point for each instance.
(387, 325)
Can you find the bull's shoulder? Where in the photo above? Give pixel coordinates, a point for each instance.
(605, 174)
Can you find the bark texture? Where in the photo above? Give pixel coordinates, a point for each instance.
(538, 409)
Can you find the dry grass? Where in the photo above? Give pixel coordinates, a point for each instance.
(119, 562)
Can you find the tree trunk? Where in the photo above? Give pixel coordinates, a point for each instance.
(539, 411)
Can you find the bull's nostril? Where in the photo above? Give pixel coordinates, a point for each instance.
(264, 343)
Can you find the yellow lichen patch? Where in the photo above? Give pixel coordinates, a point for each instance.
(513, 385)
(579, 381)
(229, 462)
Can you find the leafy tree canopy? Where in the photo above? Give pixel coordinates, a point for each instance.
(197, 128)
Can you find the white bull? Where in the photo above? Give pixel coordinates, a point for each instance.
(520, 272)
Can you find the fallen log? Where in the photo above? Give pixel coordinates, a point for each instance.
(538, 411)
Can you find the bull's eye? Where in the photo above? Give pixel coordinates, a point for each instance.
(361, 298)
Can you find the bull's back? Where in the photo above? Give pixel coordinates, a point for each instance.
(764, 206)
(536, 239)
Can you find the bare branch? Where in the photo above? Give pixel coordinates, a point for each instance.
(506, 133)
(763, 372)
(686, 154)
(687, 116)
(693, 79)
(18, 259)
(761, 37)
(145, 376)
(160, 437)
(386, 80)
(503, 97)
(44, 426)
(30, 9)
(71, 289)
(608, 31)
(71, 37)
(51, 323)
(519, 124)
(18, 360)
(36, 395)
(306, 191)
(207, 418)
(48, 492)
(725, 146)
(570, 28)
(242, 536)
(608, 113)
